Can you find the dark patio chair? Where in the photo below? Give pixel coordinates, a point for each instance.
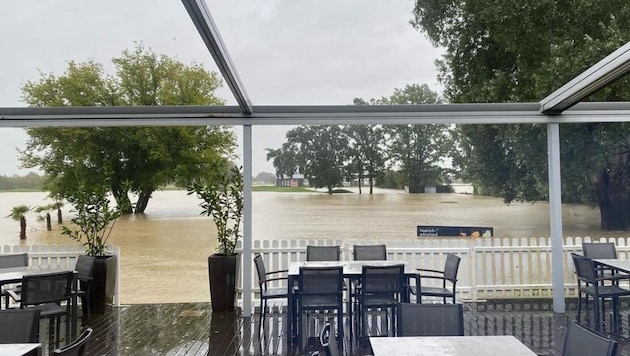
(10, 261)
(581, 341)
(265, 279)
(448, 277)
(51, 294)
(369, 252)
(78, 347)
(19, 326)
(602, 250)
(320, 289)
(84, 268)
(323, 253)
(430, 319)
(590, 283)
(382, 287)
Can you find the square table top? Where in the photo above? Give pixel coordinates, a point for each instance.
(18, 349)
(618, 264)
(449, 346)
(350, 268)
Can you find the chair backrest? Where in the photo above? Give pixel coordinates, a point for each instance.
(383, 279)
(328, 341)
(78, 347)
(430, 319)
(323, 253)
(14, 260)
(451, 265)
(599, 250)
(84, 266)
(19, 326)
(582, 341)
(369, 252)
(46, 288)
(321, 280)
(261, 271)
(584, 268)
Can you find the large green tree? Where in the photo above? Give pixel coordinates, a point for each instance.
(418, 150)
(322, 151)
(134, 159)
(522, 50)
(366, 152)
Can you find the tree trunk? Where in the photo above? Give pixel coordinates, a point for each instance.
(614, 202)
(122, 200)
(371, 185)
(143, 201)
(59, 219)
(360, 180)
(48, 224)
(23, 228)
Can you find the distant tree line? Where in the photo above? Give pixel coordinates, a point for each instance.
(29, 181)
(391, 156)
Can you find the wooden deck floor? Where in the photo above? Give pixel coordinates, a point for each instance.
(192, 329)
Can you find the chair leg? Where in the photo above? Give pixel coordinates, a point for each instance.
(579, 311)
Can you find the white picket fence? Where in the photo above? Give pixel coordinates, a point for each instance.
(59, 257)
(491, 268)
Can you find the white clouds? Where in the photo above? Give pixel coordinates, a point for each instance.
(287, 52)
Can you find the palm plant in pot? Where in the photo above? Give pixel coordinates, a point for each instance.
(222, 199)
(92, 224)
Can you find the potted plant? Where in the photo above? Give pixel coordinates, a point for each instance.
(222, 199)
(92, 224)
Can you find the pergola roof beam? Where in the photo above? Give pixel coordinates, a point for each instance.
(200, 15)
(604, 72)
(508, 113)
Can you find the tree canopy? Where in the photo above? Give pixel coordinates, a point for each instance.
(133, 159)
(522, 50)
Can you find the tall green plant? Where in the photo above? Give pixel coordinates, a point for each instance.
(18, 213)
(223, 200)
(94, 219)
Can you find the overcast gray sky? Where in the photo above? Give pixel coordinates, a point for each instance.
(287, 52)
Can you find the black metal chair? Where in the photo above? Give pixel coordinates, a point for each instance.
(328, 341)
(430, 319)
(447, 276)
(51, 294)
(84, 267)
(10, 261)
(320, 289)
(582, 341)
(19, 326)
(382, 287)
(602, 250)
(76, 348)
(590, 283)
(369, 252)
(323, 253)
(265, 279)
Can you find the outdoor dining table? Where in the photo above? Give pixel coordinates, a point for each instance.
(15, 274)
(352, 270)
(449, 346)
(619, 265)
(20, 349)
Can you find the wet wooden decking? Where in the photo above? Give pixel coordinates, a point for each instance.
(192, 329)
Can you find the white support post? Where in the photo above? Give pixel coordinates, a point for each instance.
(247, 221)
(555, 210)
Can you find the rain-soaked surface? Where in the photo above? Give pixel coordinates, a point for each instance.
(164, 250)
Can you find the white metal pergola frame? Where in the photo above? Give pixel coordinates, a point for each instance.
(562, 106)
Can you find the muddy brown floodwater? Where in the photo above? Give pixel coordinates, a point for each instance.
(164, 251)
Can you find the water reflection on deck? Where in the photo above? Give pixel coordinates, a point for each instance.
(191, 329)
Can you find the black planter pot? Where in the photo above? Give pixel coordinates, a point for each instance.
(222, 274)
(103, 283)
